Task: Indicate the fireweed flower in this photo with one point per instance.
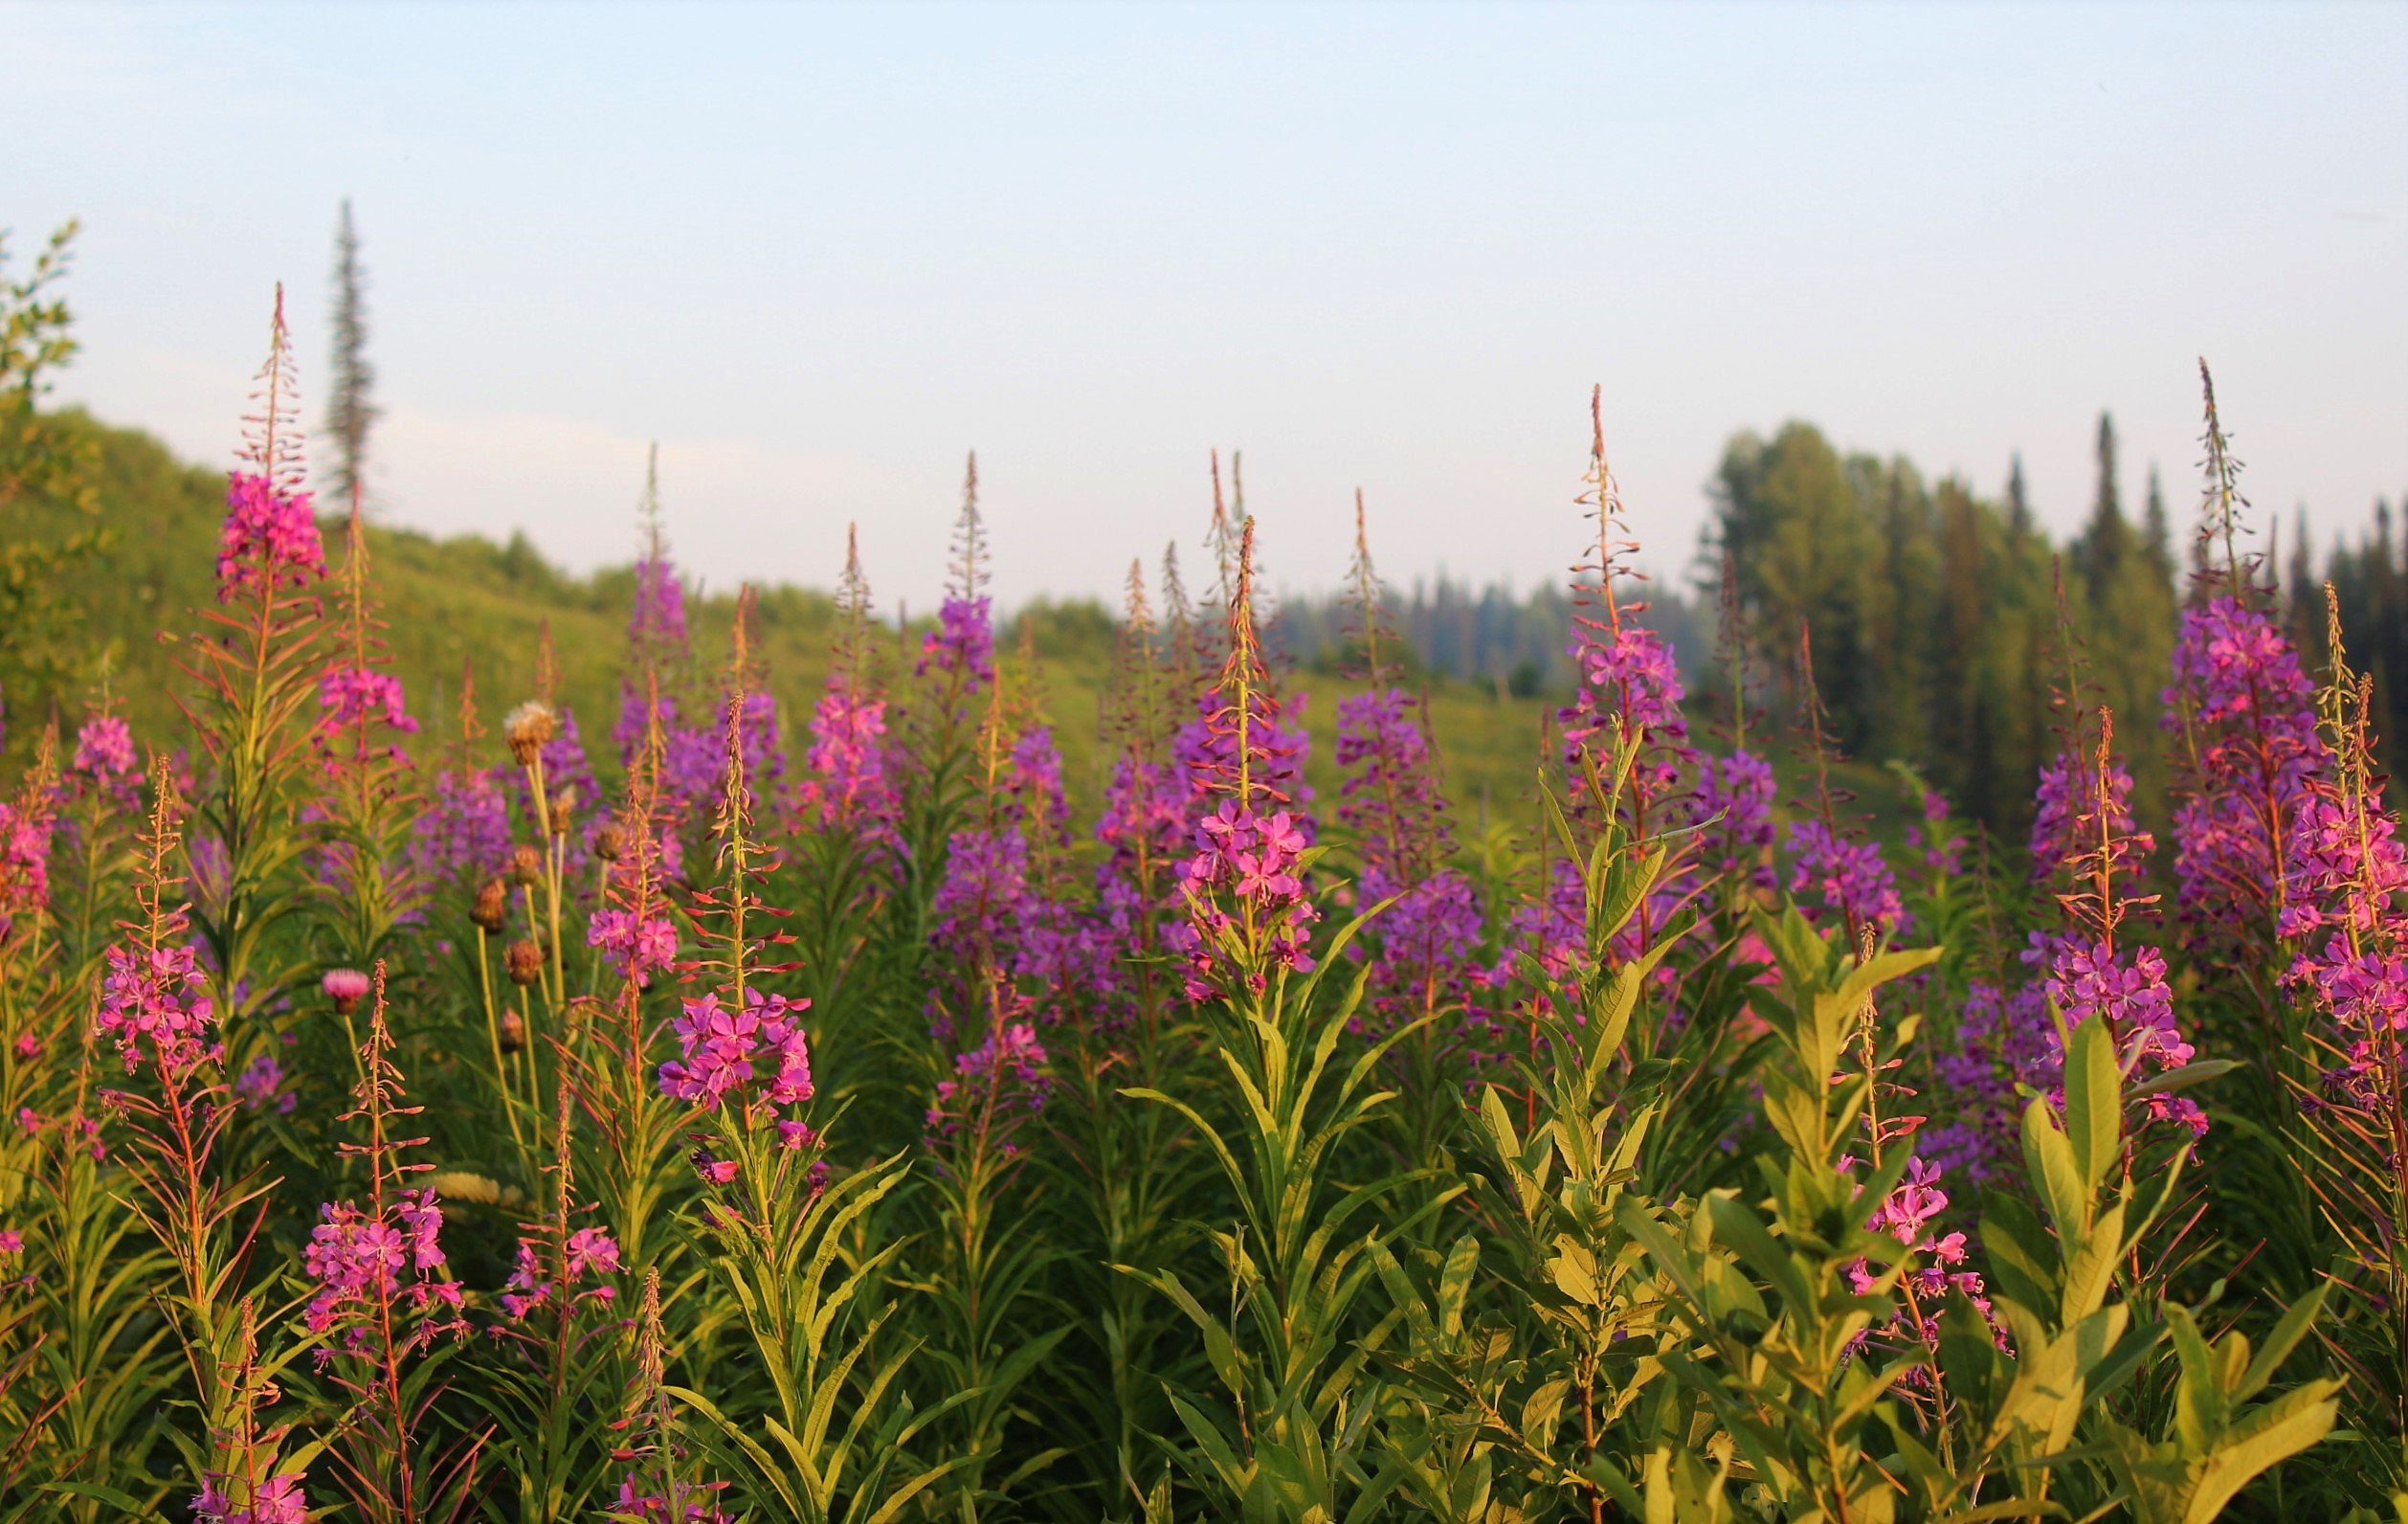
(464, 831)
(357, 695)
(688, 1503)
(1734, 797)
(1847, 880)
(722, 1050)
(25, 834)
(635, 947)
(2243, 706)
(155, 1007)
(270, 537)
(357, 1257)
(104, 747)
(591, 1254)
(2005, 1040)
(261, 1085)
(1004, 1077)
(278, 1500)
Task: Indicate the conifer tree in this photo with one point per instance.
(351, 410)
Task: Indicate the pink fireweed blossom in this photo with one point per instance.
(357, 695)
(635, 947)
(278, 1500)
(1251, 859)
(1906, 1214)
(155, 1008)
(25, 834)
(591, 1254)
(104, 747)
(1005, 1074)
(270, 538)
(357, 1258)
(688, 1503)
(2241, 700)
(719, 1048)
(847, 758)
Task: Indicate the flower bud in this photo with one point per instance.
(610, 842)
(527, 729)
(511, 1031)
(493, 905)
(524, 961)
(526, 866)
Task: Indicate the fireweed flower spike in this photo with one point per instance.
(1847, 876)
(1248, 914)
(848, 785)
(961, 650)
(2242, 710)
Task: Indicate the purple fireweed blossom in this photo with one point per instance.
(1941, 847)
(984, 895)
(465, 830)
(270, 537)
(2002, 1041)
(1734, 797)
(848, 786)
(1847, 880)
(962, 647)
(155, 1007)
(358, 1256)
(261, 1085)
(2243, 706)
(1032, 777)
(1005, 1074)
(635, 947)
(2125, 987)
(688, 1503)
(720, 1045)
(591, 1254)
(104, 747)
(2065, 824)
(1906, 1214)
(278, 1500)
(357, 695)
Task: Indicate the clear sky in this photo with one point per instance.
(818, 252)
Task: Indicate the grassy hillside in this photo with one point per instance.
(467, 604)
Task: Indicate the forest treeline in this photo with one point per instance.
(1943, 622)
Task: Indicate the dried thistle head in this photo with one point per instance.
(610, 842)
(527, 864)
(524, 961)
(527, 729)
(492, 906)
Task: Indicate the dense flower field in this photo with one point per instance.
(818, 1111)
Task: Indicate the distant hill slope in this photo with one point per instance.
(468, 602)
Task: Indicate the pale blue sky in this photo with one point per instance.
(819, 252)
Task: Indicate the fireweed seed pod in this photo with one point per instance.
(345, 988)
(526, 866)
(527, 729)
(610, 842)
(511, 1031)
(492, 906)
(525, 962)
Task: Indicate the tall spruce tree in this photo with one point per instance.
(351, 409)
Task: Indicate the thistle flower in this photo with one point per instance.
(491, 909)
(345, 988)
(523, 960)
(529, 730)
